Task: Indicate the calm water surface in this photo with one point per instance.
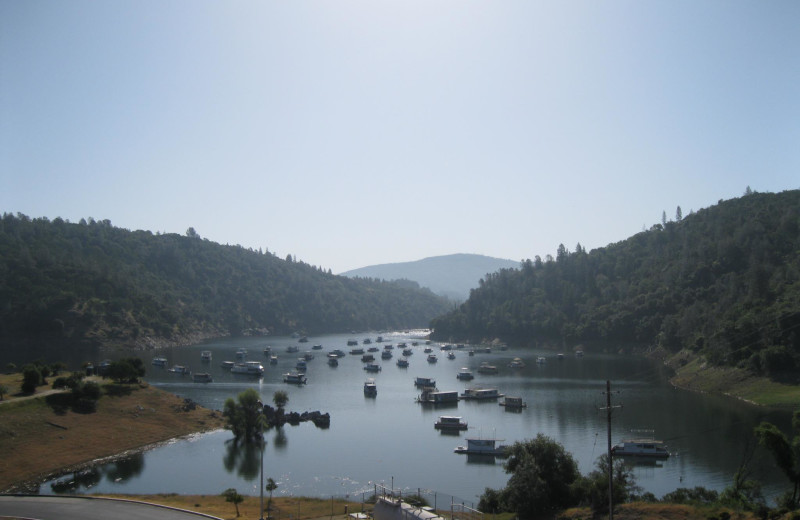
(390, 439)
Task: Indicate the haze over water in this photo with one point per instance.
(391, 438)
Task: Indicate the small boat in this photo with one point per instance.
(486, 368)
(471, 352)
(450, 423)
(513, 402)
(337, 352)
(386, 354)
(516, 363)
(370, 388)
(294, 378)
(202, 377)
(304, 339)
(248, 368)
(379, 339)
(267, 351)
(317, 347)
(407, 351)
(178, 369)
(541, 360)
(308, 356)
(372, 367)
(484, 447)
(351, 342)
(424, 381)
(241, 353)
(479, 394)
(446, 347)
(273, 359)
(356, 351)
(465, 375)
(401, 346)
(451, 355)
(373, 349)
(432, 358)
(560, 356)
(428, 350)
(366, 358)
(402, 363)
(159, 361)
(333, 361)
(227, 365)
(388, 347)
(291, 349)
(487, 350)
(301, 365)
(205, 356)
(367, 341)
(578, 353)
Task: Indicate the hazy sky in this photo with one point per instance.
(352, 133)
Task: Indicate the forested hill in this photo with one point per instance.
(724, 282)
(93, 281)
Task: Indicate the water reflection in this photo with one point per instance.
(280, 441)
(126, 468)
(243, 458)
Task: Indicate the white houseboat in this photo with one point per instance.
(248, 368)
(479, 394)
(484, 447)
(450, 423)
(294, 378)
(370, 388)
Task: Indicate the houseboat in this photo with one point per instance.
(351, 342)
(294, 378)
(370, 388)
(248, 368)
(372, 367)
(333, 361)
(337, 352)
(479, 394)
(407, 351)
(432, 358)
(367, 358)
(432, 396)
(301, 365)
(402, 362)
(227, 365)
(484, 447)
(291, 349)
(450, 423)
(513, 402)
(159, 361)
(317, 347)
(386, 354)
(465, 374)
(205, 356)
(179, 369)
(424, 381)
(201, 377)
(273, 359)
(641, 448)
(356, 351)
(241, 353)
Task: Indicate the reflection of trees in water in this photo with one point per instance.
(280, 440)
(126, 468)
(242, 457)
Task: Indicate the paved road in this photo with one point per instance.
(48, 507)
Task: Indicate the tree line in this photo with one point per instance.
(723, 282)
(91, 281)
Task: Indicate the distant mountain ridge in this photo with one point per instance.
(452, 276)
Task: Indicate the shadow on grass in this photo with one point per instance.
(118, 390)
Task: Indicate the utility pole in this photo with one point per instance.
(608, 409)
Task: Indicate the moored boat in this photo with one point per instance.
(370, 388)
(425, 381)
(248, 368)
(386, 354)
(402, 363)
(178, 369)
(159, 361)
(372, 367)
(205, 355)
(333, 361)
(641, 447)
(432, 358)
(450, 423)
(484, 447)
(516, 363)
(465, 374)
(433, 396)
(294, 378)
(513, 402)
(478, 394)
(486, 368)
(202, 377)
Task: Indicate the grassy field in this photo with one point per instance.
(41, 436)
(694, 374)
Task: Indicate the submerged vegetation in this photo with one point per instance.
(722, 283)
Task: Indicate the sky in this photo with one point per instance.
(352, 133)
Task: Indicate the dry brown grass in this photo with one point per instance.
(286, 508)
(657, 511)
(42, 436)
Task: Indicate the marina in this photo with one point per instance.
(561, 400)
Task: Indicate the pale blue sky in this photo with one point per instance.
(352, 133)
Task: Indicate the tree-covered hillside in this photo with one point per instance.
(93, 281)
(724, 282)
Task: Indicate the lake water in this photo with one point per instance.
(391, 440)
